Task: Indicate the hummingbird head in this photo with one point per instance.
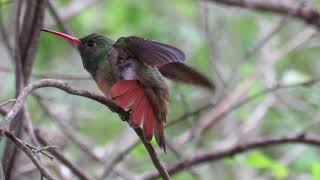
(92, 48)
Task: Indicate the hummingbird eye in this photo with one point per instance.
(90, 43)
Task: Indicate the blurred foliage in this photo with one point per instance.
(181, 23)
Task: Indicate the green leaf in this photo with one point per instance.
(258, 160)
(279, 170)
(315, 169)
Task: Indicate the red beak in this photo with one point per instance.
(64, 36)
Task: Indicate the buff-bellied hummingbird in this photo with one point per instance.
(131, 72)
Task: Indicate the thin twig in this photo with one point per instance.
(76, 170)
(39, 150)
(22, 145)
(7, 102)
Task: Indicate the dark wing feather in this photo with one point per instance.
(150, 52)
(183, 73)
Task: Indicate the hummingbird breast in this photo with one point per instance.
(124, 66)
(128, 69)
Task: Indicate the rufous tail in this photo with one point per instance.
(131, 95)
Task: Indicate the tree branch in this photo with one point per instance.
(101, 99)
(63, 86)
(237, 149)
(305, 13)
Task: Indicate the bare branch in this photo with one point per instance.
(237, 149)
(305, 13)
(63, 86)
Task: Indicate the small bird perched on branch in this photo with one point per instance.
(131, 72)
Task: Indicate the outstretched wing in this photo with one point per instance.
(168, 59)
(150, 52)
(183, 73)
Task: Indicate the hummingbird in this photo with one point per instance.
(131, 72)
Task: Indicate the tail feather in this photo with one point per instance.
(123, 87)
(126, 100)
(129, 94)
(138, 114)
(148, 124)
(159, 134)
